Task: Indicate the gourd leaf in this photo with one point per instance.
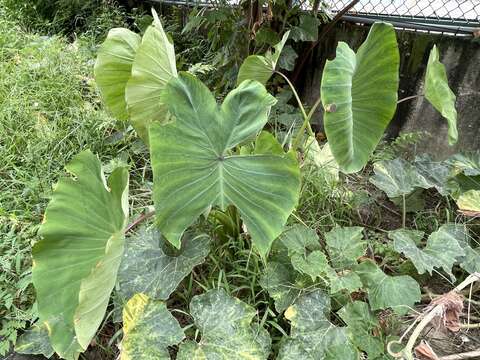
(345, 246)
(435, 173)
(361, 324)
(441, 251)
(113, 68)
(147, 267)
(306, 256)
(438, 93)
(468, 163)
(298, 238)
(303, 248)
(344, 280)
(194, 167)
(148, 329)
(153, 67)
(35, 341)
(312, 335)
(75, 264)
(227, 330)
(471, 261)
(397, 292)
(469, 201)
(282, 284)
(397, 177)
(359, 93)
(261, 68)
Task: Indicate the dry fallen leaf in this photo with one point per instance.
(452, 307)
(424, 352)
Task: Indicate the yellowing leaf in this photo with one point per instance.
(227, 330)
(148, 329)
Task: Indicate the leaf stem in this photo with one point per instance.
(404, 211)
(139, 220)
(306, 118)
(409, 98)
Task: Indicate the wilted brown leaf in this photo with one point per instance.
(425, 352)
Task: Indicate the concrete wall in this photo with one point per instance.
(461, 57)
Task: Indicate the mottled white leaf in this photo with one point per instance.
(226, 328)
(148, 329)
(150, 266)
(312, 335)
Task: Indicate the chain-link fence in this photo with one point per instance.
(454, 17)
(449, 16)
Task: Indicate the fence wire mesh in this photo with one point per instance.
(454, 16)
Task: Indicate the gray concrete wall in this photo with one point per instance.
(461, 57)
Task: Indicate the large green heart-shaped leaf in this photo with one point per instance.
(147, 268)
(153, 67)
(227, 330)
(261, 68)
(194, 167)
(439, 94)
(312, 336)
(397, 292)
(148, 329)
(359, 93)
(441, 251)
(114, 67)
(75, 264)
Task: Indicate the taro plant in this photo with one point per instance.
(216, 158)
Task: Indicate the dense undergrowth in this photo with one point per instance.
(50, 110)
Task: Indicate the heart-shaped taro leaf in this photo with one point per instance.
(261, 68)
(114, 67)
(148, 267)
(359, 93)
(312, 335)
(194, 167)
(439, 94)
(75, 264)
(227, 330)
(148, 329)
(153, 67)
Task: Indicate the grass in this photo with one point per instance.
(49, 111)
